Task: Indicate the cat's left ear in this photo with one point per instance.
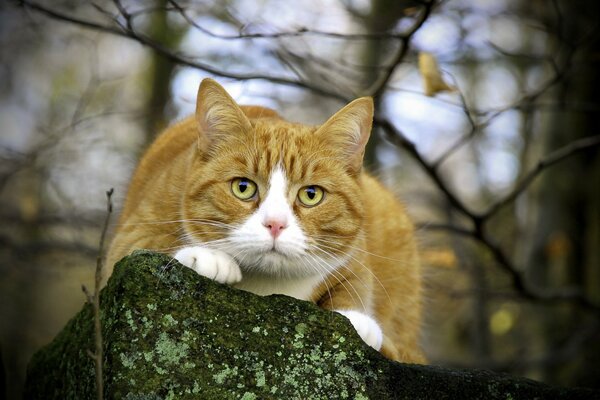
(349, 129)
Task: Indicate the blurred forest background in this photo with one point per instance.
(501, 173)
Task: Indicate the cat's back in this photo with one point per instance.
(393, 258)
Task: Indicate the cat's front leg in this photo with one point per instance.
(367, 328)
(213, 264)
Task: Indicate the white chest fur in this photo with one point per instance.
(300, 288)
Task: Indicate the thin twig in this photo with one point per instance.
(524, 288)
(381, 83)
(524, 101)
(458, 230)
(395, 136)
(478, 233)
(94, 299)
(546, 162)
(295, 33)
(129, 33)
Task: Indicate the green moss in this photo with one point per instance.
(260, 378)
(169, 351)
(171, 334)
(168, 320)
(128, 361)
(224, 374)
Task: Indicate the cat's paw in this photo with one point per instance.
(213, 264)
(367, 327)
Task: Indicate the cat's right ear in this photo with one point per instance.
(348, 131)
(218, 115)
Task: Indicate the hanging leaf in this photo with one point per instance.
(433, 81)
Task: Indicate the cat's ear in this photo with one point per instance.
(218, 115)
(348, 131)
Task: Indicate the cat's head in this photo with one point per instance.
(281, 198)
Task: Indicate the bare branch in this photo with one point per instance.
(526, 100)
(94, 298)
(446, 228)
(394, 136)
(523, 288)
(176, 57)
(89, 297)
(295, 33)
(380, 85)
(475, 128)
(546, 162)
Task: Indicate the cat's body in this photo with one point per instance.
(249, 199)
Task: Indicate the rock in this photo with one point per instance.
(172, 334)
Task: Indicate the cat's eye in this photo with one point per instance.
(243, 188)
(310, 196)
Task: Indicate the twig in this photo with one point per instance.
(526, 100)
(129, 33)
(94, 299)
(475, 127)
(458, 230)
(583, 335)
(295, 33)
(549, 160)
(394, 136)
(381, 83)
(525, 289)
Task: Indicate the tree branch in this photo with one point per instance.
(546, 162)
(176, 57)
(94, 299)
(380, 85)
(296, 33)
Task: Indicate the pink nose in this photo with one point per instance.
(275, 226)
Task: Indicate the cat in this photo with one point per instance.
(248, 199)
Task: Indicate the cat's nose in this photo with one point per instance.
(275, 226)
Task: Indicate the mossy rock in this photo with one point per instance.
(172, 334)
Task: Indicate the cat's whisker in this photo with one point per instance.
(179, 221)
(402, 262)
(328, 236)
(362, 265)
(324, 276)
(340, 278)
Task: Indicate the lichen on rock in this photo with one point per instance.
(172, 334)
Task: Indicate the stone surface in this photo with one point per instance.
(172, 334)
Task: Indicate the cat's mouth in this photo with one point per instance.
(277, 250)
(274, 250)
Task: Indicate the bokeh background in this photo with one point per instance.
(501, 172)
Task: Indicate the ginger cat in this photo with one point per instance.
(246, 198)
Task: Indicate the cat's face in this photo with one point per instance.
(281, 198)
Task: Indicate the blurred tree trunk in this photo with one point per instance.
(160, 72)
(384, 16)
(565, 248)
(28, 192)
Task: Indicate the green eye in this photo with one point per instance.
(310, 196)
(243, 189)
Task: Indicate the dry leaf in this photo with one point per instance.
(440, 257)
(433, 81)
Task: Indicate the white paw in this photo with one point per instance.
(367, 327)
(213, 264)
